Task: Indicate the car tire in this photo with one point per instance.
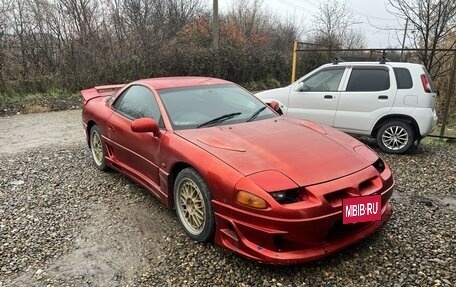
(192, 201)
(395, 137)
(97, 148)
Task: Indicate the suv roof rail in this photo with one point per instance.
(383, 58)
(337, 61)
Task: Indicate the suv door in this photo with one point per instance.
(315, 97)
(369, 94)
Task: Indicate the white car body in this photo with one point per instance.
(356, 98)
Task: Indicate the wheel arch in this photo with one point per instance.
(174, 171)
(396, 117)
(90, 124)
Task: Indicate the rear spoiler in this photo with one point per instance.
(100, 91)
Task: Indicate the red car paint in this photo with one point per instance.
(262, 156)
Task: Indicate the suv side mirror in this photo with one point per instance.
(145, 125)
(302, 88)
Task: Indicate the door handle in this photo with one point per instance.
(383, 97)
(328, 97)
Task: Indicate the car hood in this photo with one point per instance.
(301, 150)
(277, 93)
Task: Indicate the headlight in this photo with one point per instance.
(379, 165)
(286, 196)
(251, 200)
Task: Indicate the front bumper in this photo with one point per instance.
(237, 237)
(297, 236)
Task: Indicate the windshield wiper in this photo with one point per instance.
(219, 119)
(255, 114)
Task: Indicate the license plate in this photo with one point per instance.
(361, 209)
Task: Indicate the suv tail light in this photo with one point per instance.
(426, 84)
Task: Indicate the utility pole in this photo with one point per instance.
(403, 40)
(215, 25)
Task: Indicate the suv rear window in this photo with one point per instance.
(403, 78)
(368, 79)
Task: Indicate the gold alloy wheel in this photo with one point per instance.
(97, 148)
(191, 208)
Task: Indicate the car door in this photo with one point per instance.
(315, 97)
(136, 153)
(369, 94)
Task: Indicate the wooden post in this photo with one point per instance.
(293, 65)
(449, 94)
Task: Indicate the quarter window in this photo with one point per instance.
(403, 78)
(364, 79)
(138, 102)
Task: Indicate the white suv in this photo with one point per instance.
(393, 102)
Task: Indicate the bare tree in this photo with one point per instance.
(249, 16)
(333, 26)
(83, 15)
(180, 12)
(72, 44)
(433, 22)
(281, 33)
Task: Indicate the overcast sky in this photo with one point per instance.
(368, 15)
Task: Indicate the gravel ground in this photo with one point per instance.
(64, 223)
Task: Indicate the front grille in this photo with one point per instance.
(367, 187)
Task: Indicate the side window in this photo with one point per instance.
(403, 78)
(324, 80)
(368, 79)
(138, 102)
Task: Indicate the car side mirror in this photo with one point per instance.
(145, 125)
(276, 107)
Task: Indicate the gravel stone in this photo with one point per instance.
(64, 223)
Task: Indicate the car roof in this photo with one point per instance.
(179, 82)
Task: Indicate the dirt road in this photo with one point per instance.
(24, 132)
(100, 226)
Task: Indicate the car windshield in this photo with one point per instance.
(206, 106)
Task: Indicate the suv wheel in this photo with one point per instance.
(395, 137)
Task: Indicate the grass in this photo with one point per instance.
(450, 129)
(53, 100)
(20, 98)
(438, 142)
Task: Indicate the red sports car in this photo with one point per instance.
(267, 187)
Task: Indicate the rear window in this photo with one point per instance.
(403, 78)
(368, 79)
